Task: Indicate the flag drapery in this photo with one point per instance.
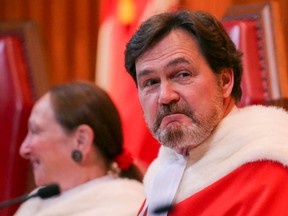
(118, 21)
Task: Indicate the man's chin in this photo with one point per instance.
(177, 149)
(184, 150)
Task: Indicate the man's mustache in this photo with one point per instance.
(169, 109)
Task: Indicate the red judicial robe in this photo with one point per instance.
(259, 188)
(242, 169)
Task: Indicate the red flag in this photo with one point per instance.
(119, 21)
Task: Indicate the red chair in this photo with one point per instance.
(16, 102)
(23, 79)
(255, 86)
(256, 31)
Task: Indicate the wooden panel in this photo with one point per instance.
(69, 30)
(81, 48)
(14, 9)
(59, 26)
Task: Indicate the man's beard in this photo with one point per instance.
(180, 136)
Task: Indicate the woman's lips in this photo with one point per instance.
(35, 163)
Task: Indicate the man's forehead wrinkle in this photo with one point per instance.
(176, 61)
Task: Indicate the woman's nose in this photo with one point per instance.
(24, 150)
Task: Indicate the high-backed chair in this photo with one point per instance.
(256, 31)
(20, 85)
(255, 87)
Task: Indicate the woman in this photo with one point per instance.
(75, 139)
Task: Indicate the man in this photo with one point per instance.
(215, 158)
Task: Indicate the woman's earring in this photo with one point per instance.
(76, 156)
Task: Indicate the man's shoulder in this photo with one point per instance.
(251, 187)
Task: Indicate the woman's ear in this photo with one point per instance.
(227, 81)
(84, 139)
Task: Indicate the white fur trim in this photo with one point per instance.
(250, 134)
(104, 196)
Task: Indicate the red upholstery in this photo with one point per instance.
(254, 81)
(15, 105)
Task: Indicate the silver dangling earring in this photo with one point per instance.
(76, 156)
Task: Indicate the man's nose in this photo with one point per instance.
(168, 93)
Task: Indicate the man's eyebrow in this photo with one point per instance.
(176, 61)
(173, 62)
(143, 73)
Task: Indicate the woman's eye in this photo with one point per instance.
(33, 130)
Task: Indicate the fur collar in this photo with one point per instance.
(101, 196)
(248, 134)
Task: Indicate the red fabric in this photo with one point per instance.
(258, 188)
(142, 206)
(255, 189)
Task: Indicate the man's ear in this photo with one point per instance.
(227, 81)
(84, 138)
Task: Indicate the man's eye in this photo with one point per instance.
(183, 74)
(150, 83)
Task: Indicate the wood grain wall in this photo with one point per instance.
(69, 31)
